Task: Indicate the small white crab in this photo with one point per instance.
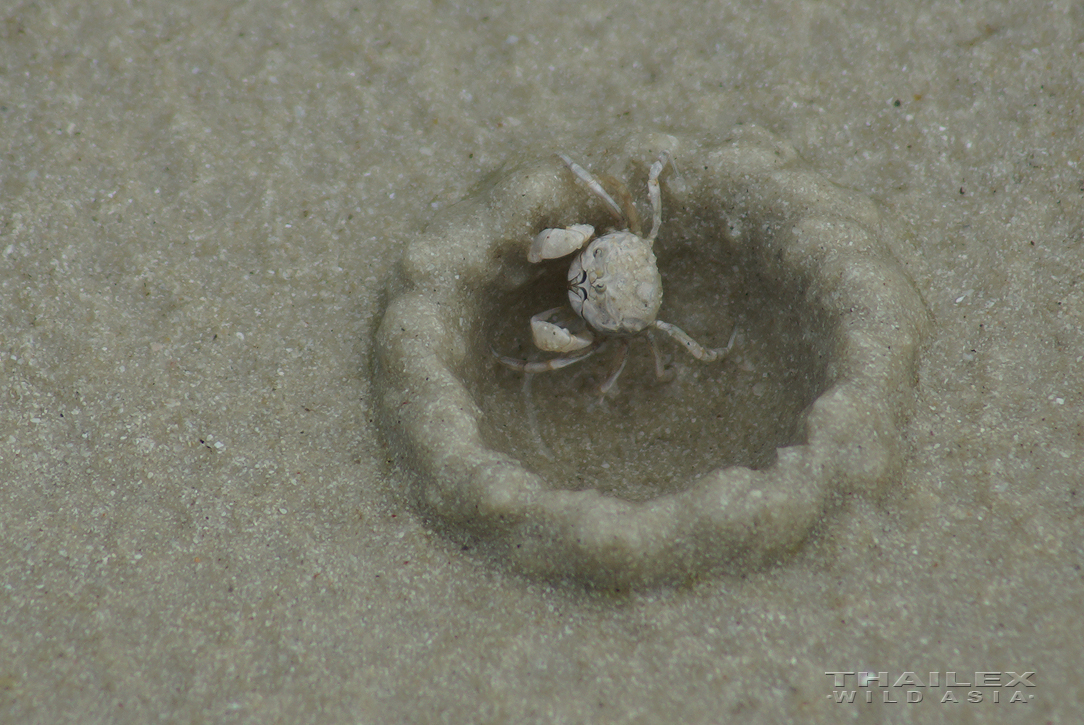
(614, 286)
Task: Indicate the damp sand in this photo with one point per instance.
(203, 211)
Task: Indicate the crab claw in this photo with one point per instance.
(554, 243)
(554, 338)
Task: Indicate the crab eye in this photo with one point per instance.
(599, 287)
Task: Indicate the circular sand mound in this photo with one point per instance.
(722, 466)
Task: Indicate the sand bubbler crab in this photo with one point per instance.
(614, 285)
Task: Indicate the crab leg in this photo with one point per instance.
(596, 188)
(544, 366)
(660, 368)
(656, 195)
(622, 358)
(695, 348)
(624, 198)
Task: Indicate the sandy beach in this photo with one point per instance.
(210, 510)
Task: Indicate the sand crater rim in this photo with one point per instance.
(752, 236)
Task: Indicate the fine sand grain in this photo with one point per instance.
(208, 512)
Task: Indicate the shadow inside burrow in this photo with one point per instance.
(652, 437)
